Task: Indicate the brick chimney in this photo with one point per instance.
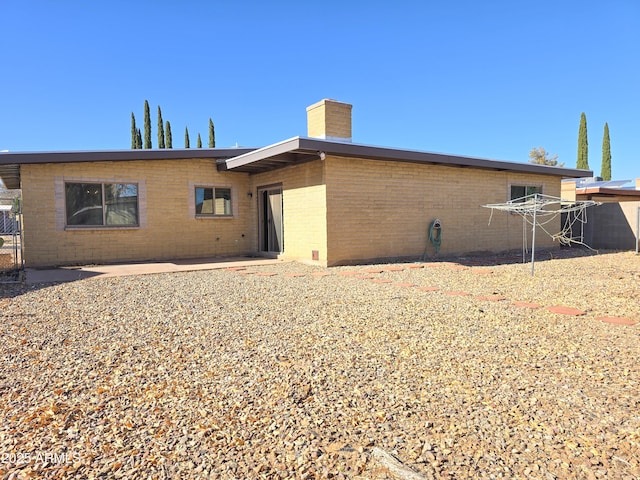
(637, 183)
(329, 120)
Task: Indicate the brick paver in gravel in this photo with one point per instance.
(491, 298)
(321, 273)
(458, 267)
(527, 304)
(617, 320)
(562, 310)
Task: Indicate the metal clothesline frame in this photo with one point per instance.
(539, 205)
(637, 230)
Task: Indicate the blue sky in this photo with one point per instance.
(485, 79)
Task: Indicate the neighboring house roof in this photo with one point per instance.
(605, 190)
(301, 149)
(601, 193)
(292, 151)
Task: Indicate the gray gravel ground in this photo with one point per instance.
(223, 374)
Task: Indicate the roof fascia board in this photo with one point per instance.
(286, 146)
(415, 156)
(21, 158)
(347, 149)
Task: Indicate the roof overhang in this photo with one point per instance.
(301, 149)
(10, 162)
(10, 176)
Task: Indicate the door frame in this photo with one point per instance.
(270, 240)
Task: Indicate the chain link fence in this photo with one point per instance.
(11, 257)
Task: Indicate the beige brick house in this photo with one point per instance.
(319, 198)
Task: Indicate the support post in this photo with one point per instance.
(533, 235)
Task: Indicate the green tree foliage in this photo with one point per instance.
(139, 139)
(134, 132)
(160, 129)
(167, 134)
(605, 169)
(212, 135)
(186, 138)
(540, 156)
(583, 144)
(199, 142)
(147, 126)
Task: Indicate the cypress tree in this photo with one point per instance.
(583, 144)
(605, 169)
(212, 135)
(139, 140)
(134, 132)
(147, 126)
(160, 129)
(199, 142)
(186, 138)
(167, 134)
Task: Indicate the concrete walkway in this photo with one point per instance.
(70, 274)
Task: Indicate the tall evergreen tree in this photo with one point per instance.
(605, 169)
(212, 135)
(134, 132)
(199, 142)
(583, 144)
(167, 134)
(186, 138)
(147, 126)
(160, 129)
(139, 139)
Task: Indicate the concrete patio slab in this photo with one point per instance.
(71, 274)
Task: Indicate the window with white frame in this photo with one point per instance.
(518, 192)
(91, 204)
(213, 201)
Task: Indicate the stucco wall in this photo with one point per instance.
(379, 209)
(612, 226)
(168, 227)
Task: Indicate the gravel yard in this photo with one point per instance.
(280, 372)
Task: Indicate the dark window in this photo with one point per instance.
(518, 192)
(102, 204)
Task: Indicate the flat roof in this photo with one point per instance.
(288, 152)
(10, 161)
(301, 149)
(611, 192)
(119, 155)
